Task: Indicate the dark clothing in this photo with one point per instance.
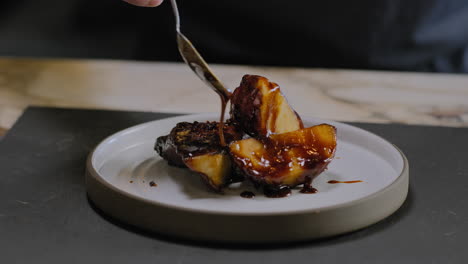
(409, 35)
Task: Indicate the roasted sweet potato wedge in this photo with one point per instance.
(197, 146)
(286, 159)
(215, 169)
(260, 109)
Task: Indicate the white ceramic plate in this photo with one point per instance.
(120, 169)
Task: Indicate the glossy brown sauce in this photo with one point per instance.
(245, 105)
(335, 182)
(278, 159)
(247, 194)
(307, 188)
(310, 190)
(279, 192)
(152, 184)
(131, 181)
(224, 101)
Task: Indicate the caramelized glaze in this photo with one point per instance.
(288, 158)
(245, 106)
(307, 188)
(194, 139)
(222, 141)
(254, 107)
(276, 192)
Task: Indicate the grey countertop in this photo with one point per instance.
(45, 216)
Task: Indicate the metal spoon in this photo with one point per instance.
(195, 60)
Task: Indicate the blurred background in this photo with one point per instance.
(416, 35)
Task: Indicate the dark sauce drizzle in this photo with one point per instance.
(335, 182)
(152, 184)
(222, 141)
(279, 192)
(307, 188)
(247, 194)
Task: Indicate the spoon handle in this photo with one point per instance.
(195, 61)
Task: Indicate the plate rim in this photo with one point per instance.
(96, 175)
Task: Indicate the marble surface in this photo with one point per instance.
(344, 95)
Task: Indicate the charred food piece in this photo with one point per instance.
(193, 139)
(286, 159)
(197, 146)
(260, 109)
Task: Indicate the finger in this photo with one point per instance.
(145, 3)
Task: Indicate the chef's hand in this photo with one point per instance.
(146, 3)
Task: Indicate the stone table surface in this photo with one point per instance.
(344, 95)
